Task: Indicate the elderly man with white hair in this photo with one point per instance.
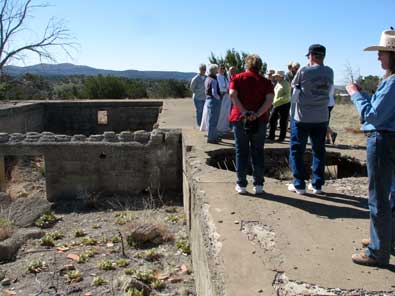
(199, 97)
(213, 102)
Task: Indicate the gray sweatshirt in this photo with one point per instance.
(197, 87)
(314, 83)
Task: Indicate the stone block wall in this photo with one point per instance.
(82, 117)
(22, 118)
(110, 163)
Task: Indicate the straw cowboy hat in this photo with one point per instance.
(279, 73)
(387, 42)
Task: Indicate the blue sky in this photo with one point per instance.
(178, 35)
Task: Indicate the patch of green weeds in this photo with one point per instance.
(172, 218)
(149, 255)
(89, 241)
(184, 246)
(37, 266)
(122, 262)
(74, 276)
(45, 221)
(116, 239)
(105, 265)
(98, 281)
(79, 233)
(158, 284)
(134, 292)
(47, 241)
(57, 235)
(96, 226)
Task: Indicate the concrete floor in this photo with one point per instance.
(309, 238)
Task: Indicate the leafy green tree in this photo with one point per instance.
(170, 88)
(104, 87)
(233, 58)
(136, 89)
(369, 83)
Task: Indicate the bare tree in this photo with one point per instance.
(351, 74)
(14, 17)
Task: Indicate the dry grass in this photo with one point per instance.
(345, 121)
(6, 229)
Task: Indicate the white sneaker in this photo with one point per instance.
(315, 191)
(291, 187)
(258, 189)
(240, 190)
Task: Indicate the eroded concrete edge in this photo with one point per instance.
(203, 234)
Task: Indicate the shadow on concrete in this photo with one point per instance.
(315, 207)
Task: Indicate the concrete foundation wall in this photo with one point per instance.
(82, 117)
(77, 168)
(20, 119)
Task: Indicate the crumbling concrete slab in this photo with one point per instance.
(309, 239)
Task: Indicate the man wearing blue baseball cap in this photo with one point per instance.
(309, 118)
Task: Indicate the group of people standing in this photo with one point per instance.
(253, 96)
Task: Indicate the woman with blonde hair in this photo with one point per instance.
(378, 115)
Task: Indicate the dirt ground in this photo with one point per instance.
(93, 243)
(345, 121)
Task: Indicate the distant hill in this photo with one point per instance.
(71, 69)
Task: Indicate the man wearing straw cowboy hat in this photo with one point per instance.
(378, 115)
(281, 105)
(309, 118)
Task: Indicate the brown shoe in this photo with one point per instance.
(364, 259)
(365, 242)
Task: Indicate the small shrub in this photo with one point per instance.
(122, 263)
(45, 221)
(6, 229)
(56, 235)
(47, 241)
(130, 271)
(89, 241)
(158, 284)
(184, 246)
(79, 233)
(89, 253)
(37, 266)
(115, 239)
(98, 281)
(105, 265)
(83, 258)
(149, 255)
(74, 276)
(134, 292)
(146, 276)
(172, 218)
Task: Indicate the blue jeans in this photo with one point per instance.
(300, 131)
(246, 145)
(213, 109)
(199, 104)
(380, 148)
